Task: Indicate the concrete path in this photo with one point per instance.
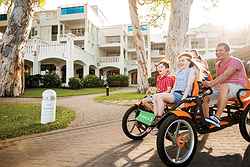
(96, 140)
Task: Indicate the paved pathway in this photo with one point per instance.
(96, 139)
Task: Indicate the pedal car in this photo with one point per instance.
(178, 127)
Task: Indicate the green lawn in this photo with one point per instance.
(24, 119)
(120, 96)
(37, 92)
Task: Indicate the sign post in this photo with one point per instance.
(48, 113)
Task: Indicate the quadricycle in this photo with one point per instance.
(178, 128)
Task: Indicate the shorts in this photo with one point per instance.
(177, 96)
(233, 89)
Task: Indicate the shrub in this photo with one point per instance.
(151, 81)
(91, 81)
(211, 67)
(33, 81)
(51, 80)
(118, 80)
(74, 83)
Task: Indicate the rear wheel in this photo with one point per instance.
(245, 124)
(176, 141)
(131, 127)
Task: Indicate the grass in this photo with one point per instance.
(37, 92)
(120, 97)
(24, 119)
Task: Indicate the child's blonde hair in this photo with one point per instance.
(193, 63)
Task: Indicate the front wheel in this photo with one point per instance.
(176, 141)
(131, 127)
(245, 124)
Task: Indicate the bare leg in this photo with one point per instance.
(147, 104)
(222, 99)
(205, 107)
(160, 101)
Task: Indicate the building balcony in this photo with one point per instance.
(157, 53)
(40, 50)
(78, 33)
(72, 13)
(110, 41)
(65, 36)
(110, 44)
(109, 59)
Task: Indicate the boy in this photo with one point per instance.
(164, 83)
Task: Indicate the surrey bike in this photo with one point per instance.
(177, 137)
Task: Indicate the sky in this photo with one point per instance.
(230, 13)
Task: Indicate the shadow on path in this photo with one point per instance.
(207, 160)
(133, 153)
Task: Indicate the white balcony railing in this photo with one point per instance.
(54, 49)
(111, 59)
(76, 32)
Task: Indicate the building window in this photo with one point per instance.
(77, 31)
(3, 17)
(48, 67)
(113, 39)
(33, 32)
(72, 10)
(54, 32)
(143, 28)
(79, 43)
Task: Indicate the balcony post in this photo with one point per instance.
(69, 70)
(85, 70)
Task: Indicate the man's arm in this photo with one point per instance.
(220, 79)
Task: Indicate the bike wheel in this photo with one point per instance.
(131, 127)
(244, 124)
(176, 141)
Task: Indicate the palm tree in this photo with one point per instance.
(12, 46)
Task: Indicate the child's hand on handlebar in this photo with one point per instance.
(148, 92)
(207, 84)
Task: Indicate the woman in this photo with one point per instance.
(203, 64)
(198, 58)
(185, 77)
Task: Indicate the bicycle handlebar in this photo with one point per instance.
(210, 91)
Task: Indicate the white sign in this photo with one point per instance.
(48, 113)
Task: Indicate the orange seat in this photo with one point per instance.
(246, 97)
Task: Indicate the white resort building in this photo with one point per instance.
(73, 42)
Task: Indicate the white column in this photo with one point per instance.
(36, 63)
(58, 31)
(69, 70)
(36, 66)
(97, 72)
(85, 70)
(58, 71)
(122, 60)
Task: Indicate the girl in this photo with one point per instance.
(185, 77)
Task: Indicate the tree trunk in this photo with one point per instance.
(178, 27)
(12, 46)
(140, 47)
